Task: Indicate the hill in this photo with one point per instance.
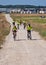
(21, 6)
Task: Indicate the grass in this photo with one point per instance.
(4, 28)
(41, 28)
(38, 23)
(39, 20)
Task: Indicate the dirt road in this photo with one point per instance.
(23, 51)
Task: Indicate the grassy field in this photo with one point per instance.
(4, 28)
(38, 23)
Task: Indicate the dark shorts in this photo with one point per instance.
(14, 31)
(13, 23)
(28, 31)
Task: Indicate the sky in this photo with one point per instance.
(23, 2)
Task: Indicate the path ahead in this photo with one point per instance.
(23, 51)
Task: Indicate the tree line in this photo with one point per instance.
(21, 6)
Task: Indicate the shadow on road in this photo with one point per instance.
(36, 39)
(26, 39)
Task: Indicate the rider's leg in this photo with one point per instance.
(14, 35)
(24, 26)
(13, 23)
(27, 34)
(18, 26)
(30, 34)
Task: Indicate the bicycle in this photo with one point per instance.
(14, 35)
(29, 35)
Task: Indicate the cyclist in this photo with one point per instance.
(18, 23)
(29, 28)
(24, 23)
(14, 32)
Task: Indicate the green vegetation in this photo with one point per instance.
(41, 28)
(27, 18)
(38, 20)
(4, 28)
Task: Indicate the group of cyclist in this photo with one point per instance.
(28, 26)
